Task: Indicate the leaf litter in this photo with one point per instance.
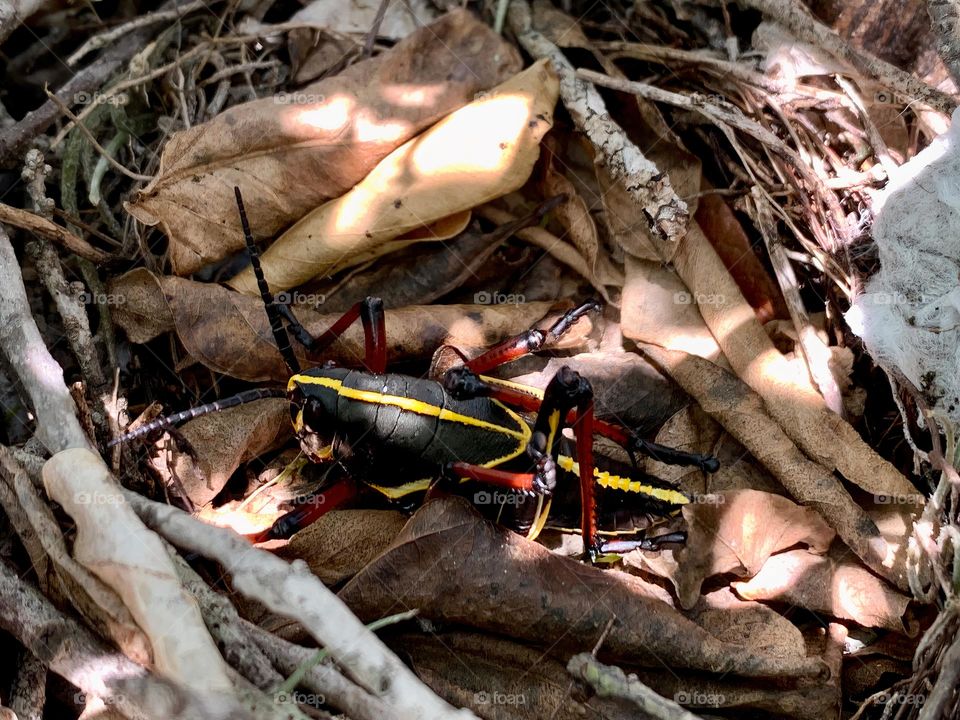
(448, 150)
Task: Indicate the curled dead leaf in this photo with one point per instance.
(834, 585)
(736, 532)
(475, 154)
(223, 441)
(341, 543)
(658, 308)
(499, 679)
(573, 215)
(605, 275)
(744, 415)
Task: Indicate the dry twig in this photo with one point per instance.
(611, 681)
(793, 15)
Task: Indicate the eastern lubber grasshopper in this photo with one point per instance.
(407, 434)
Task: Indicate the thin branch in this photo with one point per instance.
(611, 681)
(945, 15)
(26, 220)
(105, 38)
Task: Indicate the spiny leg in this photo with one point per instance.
(529, 341)
(314, 507)
(621, 547)
(568, 392)
(370, 313)
(521, 482)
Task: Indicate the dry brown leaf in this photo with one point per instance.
(358, 16)
(788, 395)
(223, 441)
(315, 52)
(708, 694)
(561, 29)
(456, 567)
(573, 215)
(752, 624)
(834, 585)
(343, 542)
(417, 275)
(479, 152)
(289, 154)
(229, 332)
(738, 531)
(732, 244)
(605, 275)
(803, 699)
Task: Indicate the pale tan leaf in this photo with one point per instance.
(480, 152)
(838, 586)
(736, 532)
(657, 308)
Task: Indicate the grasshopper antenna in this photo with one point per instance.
(280, 334)
(170, 420)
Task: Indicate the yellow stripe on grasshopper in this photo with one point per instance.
(616, 482)
(407, 488)
(522, 434)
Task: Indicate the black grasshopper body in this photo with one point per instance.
(399, 433)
